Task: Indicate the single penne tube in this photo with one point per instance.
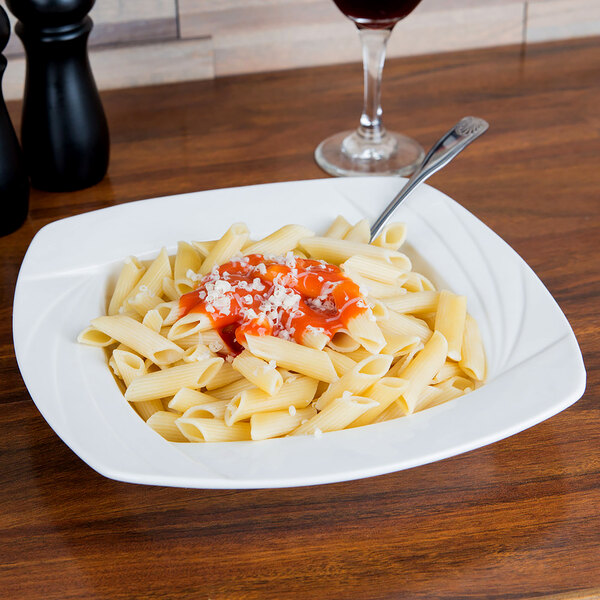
(414, 302)
(365, 330)
(153, 320)
(150, 283)
(337, 251)
(399, 260)
(392, 236)
(187, 342)
(226, 248)
(169, 291)
(199, 352)
(422, 369)
(169, 311)
(400, 324)
(357, 379)
(203, 248)
(142, 302)
(450, 321)
(163, 422)
(342, 341)
(472, 360)
(458, 382)
(374, 269)
(434, 396)
(93, 337)
(292, 356)
(416, 282)
(386, 391)
(187, 259)
(397, 345)
(227, 392)
(403, 361)
(393, 411)
(189, 324)
(359, 354)
(147, 408)
(380, 311)
(226, 375)
(209, 410)
(360, 232)
(340, 361)
(298, 393)
(338, 228)
(449, 369)
(269, 425)
(139, 338)
(338, 414)
(129, 365)
(313, 337)
(185, 398)
(262, 374)
(169, 381)
(373, 288)
(212, 338)
(279, 242)
(130, 274)
(212, 430)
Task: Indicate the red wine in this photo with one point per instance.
(376, 14)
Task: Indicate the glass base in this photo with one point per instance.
(348, 153)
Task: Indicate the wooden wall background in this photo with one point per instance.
(142, 42)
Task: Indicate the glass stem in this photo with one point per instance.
(374, 42)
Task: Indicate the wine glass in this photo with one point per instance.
(371, 149)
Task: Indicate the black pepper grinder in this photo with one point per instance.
(14, 184)
(64, 131)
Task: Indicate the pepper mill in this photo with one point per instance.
(64, 130)
(14, 184)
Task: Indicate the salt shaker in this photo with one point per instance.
(64, 130)
(14, 184)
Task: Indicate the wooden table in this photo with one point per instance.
(517, 519)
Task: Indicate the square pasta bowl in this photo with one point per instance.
(535, 368)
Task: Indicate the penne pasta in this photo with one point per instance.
(141, 339)
(277, 423)
(226, 248)
(338, 229)
(422, 369)
(168, 382)
(357, 379)
(472, 360)
(239, 339)
(130, 274)
(163, 422)
(392, 236)
(262, 374)
(187, 262)
(360, 232)
(337, 251)
(338, 414)
(364, 329)
(308, 361)
(298, 393)
(212, 430)
(450, 321)
(281, 241)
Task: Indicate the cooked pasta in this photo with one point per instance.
(294, 334)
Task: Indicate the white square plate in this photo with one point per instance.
(535, 365)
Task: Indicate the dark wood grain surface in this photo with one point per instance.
(516, 519)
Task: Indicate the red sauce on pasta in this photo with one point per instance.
(281, 296)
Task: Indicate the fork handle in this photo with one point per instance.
(441, 153)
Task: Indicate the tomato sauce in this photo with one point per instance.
(284, 296)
